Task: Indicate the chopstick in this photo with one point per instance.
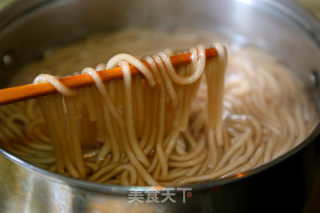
(24, 92)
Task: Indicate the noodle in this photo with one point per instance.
(168, 126)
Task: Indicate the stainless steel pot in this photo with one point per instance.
(281, 28)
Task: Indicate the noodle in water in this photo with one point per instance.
(167, 126)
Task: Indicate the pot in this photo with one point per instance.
(281, 28)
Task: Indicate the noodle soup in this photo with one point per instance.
(176, 133)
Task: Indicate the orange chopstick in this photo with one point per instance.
(24, 92)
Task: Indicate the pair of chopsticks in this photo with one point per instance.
(24, 92)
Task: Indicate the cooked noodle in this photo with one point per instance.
(168, 126)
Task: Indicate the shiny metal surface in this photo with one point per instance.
(281, 28)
